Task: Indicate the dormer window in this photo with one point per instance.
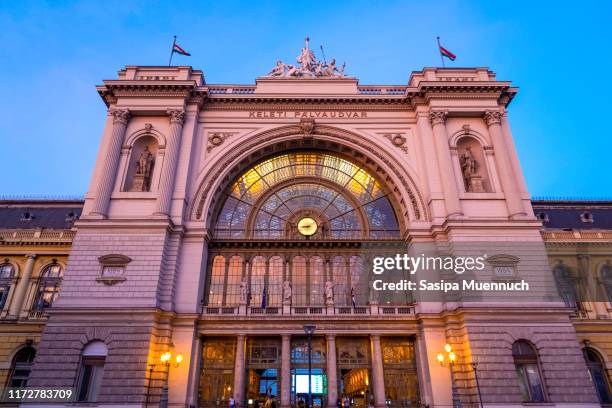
(586, 217)
(71, 216)
(542, 216)
(27, 216)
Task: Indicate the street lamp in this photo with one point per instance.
(475, 367)
(309, 330)
(451, 357)
(165, 359)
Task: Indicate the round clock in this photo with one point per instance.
(307, 226)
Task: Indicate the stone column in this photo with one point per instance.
(449, 184)
(108, 172)
(22, 287)
(239, 371)
(504, 166)
(286, 372)
(378, 379)
(173, 145)
(332, 377)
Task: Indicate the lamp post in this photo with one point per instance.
(165, 359)
(451, 357)
(309, 330)
(475, 367)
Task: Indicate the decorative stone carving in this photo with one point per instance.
(121, 116)
(492, 118)
(176, 116)
(148, 127)
(243, 292)
(113, 269)
(216, 139)
(437, 117)
(469, 166)
(398, 140)
(307, 126)
(287, 292)
(144, 171)
(308, 66)
(329, 293)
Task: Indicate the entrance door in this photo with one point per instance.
(400, 372)
(299, 373)
(354, 365)
(263, 365)
(217, 374)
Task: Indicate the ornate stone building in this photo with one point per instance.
(224, 221)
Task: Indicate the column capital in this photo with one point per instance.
(331, 336)
(375, 336)
(437, 117)
(120, 115)
(286, 336)
(241, 336)
(30, 256)
(492, 117)
(176, 116)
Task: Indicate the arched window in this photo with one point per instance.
(598, 375)
(275, 281)
(528, 371)
(359, 281)
(217, 280)
(48, 286)
(234, 280)
(606, 280)
(340, 281)
(91, 372)
(258, 280)
(21, 367)
(317, 281)
(299, 281)
(7, 272)
(565, 285)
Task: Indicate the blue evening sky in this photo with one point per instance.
(52, 53)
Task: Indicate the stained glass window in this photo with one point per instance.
(266, 199)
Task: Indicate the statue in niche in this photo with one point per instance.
(144, 167)
(287, 292)
(329, 293)
(469, 166)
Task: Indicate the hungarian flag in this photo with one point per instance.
(446, 53)
(177, 48)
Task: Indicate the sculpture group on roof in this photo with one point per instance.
(308, 66)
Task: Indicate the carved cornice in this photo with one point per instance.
(112, 90)
(176, 116)
(437, 117)
(120, 115)
(492, 118)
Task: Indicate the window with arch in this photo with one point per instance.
(91, 371)
(141, 164)
(345, 199)
(7, 274)
(606, 280)
(21, 366)
(528, 371)
(48, 286)
(597, 372)
(565, 285)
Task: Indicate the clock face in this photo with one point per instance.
(307, 226)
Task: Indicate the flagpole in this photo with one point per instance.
(439, 51)
(172, 52)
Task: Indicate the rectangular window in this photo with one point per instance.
(92, 370)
